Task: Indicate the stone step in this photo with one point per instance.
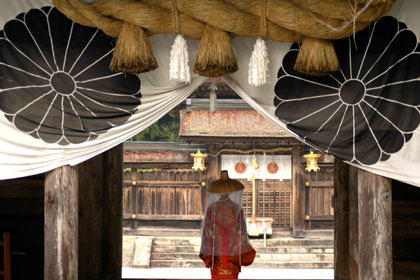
(294, 257)
(263, 250)
(257, 243)
(259, 257)
(256, 264)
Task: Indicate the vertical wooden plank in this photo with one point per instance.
(112, 214)
(375, 226)
(213, 169)
(298, 192)
(353, 224)
(134, 195)
(90, 217)
(7, 273)
(61, 224)
(341, 220)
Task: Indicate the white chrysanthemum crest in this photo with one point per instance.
(258, 72)
(178, 65)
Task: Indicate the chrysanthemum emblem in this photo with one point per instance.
(54, 79)
(366, 111)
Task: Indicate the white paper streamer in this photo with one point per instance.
(178, 65)
(258, 73)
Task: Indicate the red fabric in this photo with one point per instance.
(218, 276)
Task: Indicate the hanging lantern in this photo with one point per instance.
(312, 161)
(199, 161)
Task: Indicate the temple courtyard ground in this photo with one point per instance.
(247, 273)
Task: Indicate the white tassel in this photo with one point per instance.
(258, 72)
(178, 66)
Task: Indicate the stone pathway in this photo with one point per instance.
(247, 273)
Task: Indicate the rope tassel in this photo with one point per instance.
(178, 66)
(258, 72)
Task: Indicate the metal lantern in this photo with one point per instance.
(312, 161)
(199, 161)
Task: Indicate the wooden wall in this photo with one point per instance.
(273, 201)
(22, 213)
(98, 227)
(405, 231)
(156, 196)
(319, 191)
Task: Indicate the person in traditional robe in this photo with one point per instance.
(225, 246)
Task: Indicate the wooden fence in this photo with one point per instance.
(163, 194)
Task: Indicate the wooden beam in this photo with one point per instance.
(164, 183)
(90, 218)
(167, 217)
(375, 226)
(363, 224)
(298, 191)
(61, 224)
(341, 220)
(112, 215)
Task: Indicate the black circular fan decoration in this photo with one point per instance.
(366, 111)
(55, 83)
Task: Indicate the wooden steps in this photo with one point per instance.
(180, 251)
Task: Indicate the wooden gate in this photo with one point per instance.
(163, 194)
(319, 191)
(273, 201)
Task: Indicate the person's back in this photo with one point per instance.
(225, 245)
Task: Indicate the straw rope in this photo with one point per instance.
(280, 20)
(175, 15)
(287, 20)
(263, 26)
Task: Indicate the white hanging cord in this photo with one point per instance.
(178, 64)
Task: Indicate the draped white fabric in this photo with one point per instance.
(360, 128)
(22, 155)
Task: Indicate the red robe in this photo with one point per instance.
(230, 240)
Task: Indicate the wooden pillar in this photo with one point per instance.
(134, 195)
(363, 241)
(112, 215)
(61, 224)
(375, 226)
(213, 169)
(341, 220)
(298, 192)
(91, 207)
(83, 219)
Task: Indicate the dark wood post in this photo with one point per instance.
(134, 195)
(366, 251)
(341, 220)
(91, 207)
(298, 192)
(61, 224)
(112, 215)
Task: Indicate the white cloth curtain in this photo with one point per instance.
(278, 167)
(22, 154)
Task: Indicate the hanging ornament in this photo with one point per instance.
(178, 66)
(258, 72)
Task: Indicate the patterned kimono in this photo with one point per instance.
(225, 246)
